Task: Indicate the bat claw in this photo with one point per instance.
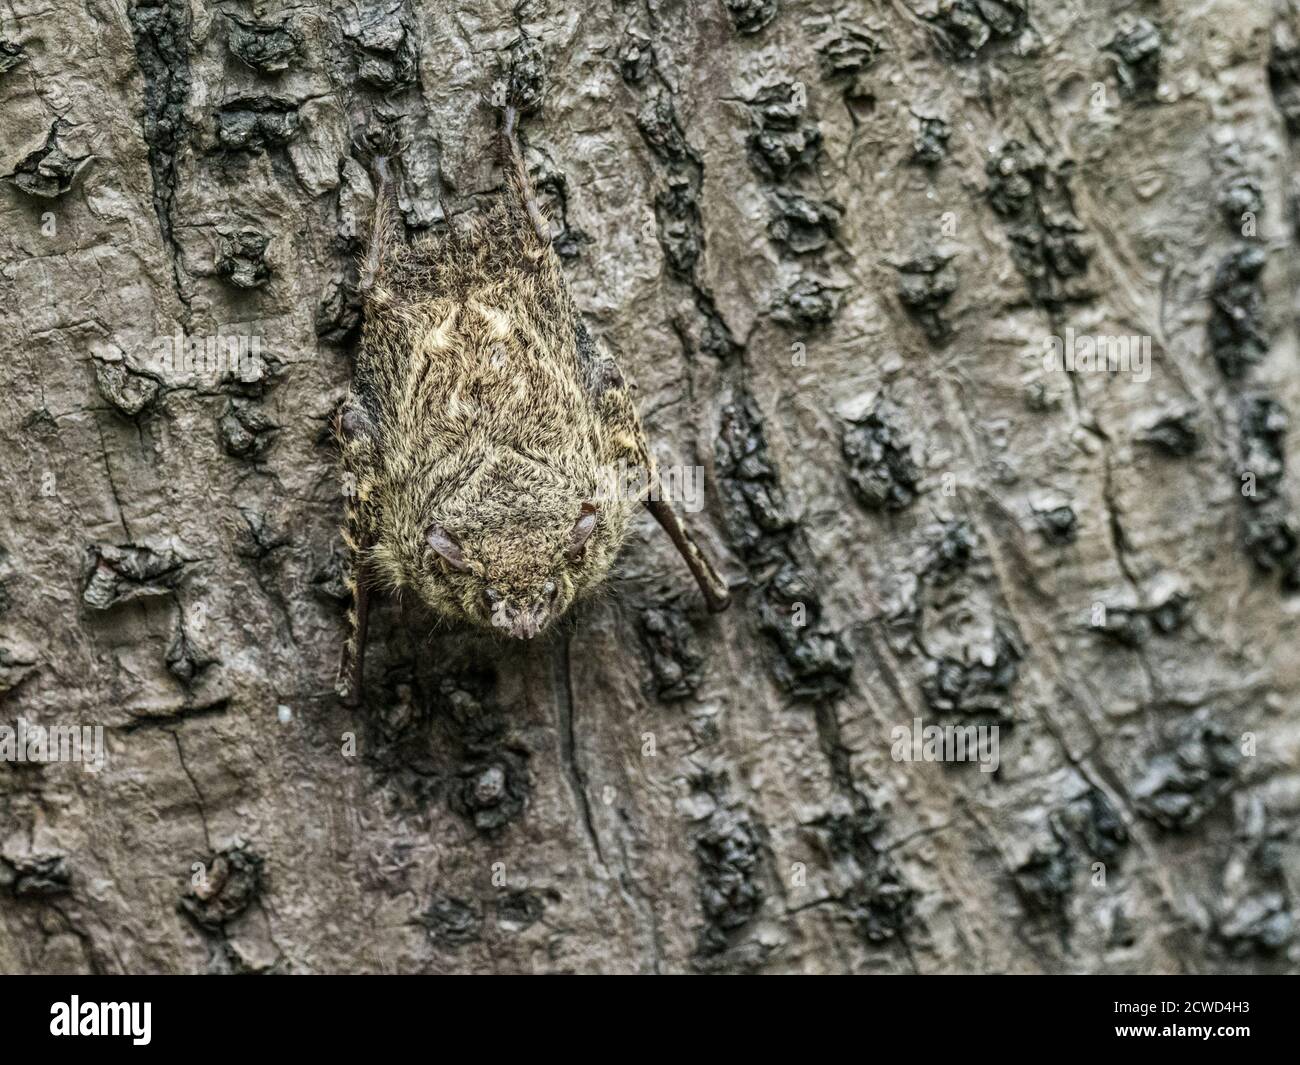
(717, 599)
(380, 140)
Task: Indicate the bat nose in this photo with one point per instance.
(522, 621)
(527, 621)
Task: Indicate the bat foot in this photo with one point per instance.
(379, 145)
(379, 142)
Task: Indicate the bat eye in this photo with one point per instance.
(445, 547)
(581, 532)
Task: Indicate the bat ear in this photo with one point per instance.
(445, 546)
(582, 530)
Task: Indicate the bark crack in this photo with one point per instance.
(198, 795)
(569, 752)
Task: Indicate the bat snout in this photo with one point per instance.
(520, 621)
(526, 626)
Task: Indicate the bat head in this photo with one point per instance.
(519, 575)
(513, 557)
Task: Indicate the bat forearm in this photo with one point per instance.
(716, 594)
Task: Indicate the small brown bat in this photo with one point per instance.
(482, 422)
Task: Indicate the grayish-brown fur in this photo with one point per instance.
(481, 407)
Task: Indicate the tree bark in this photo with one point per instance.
(833, 245)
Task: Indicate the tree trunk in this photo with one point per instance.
(856, 258)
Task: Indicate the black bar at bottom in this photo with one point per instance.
(337, 1014)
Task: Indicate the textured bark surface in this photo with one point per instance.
(829, 241)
